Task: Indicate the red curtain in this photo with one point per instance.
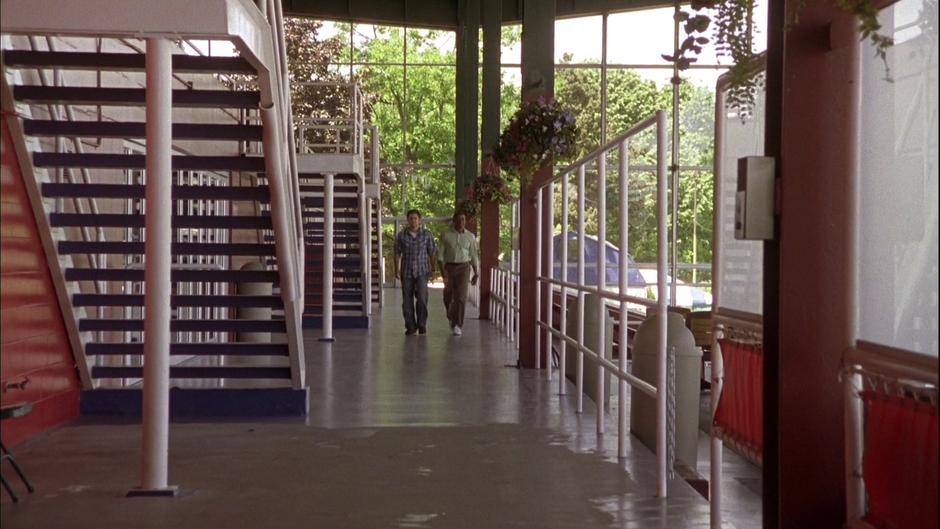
(740, 414)
(900, 464)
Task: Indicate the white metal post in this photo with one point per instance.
(563, 319)
(579, 367)
(854, 426)
(157, 257)
(377, 180)
(717, 374)
(548, 268)
(661, 252)
(624, 286)
(717, 380)
(601, 286)
(327, 302)
(365, 249)
(538, 283)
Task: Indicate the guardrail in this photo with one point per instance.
(506, 292)
(342, 133)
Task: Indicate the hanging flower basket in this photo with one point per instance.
(538, 131)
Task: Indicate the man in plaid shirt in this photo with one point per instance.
(414, 252)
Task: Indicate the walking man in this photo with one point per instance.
(458, 255)
(414, 255)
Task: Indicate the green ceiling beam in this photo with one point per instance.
(443, 13)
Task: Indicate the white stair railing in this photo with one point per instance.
(257, 34)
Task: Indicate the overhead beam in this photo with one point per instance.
(468, 62)
(443, 14)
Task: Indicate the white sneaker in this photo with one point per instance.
(457, 331)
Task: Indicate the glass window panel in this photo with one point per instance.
(579, 40)
(431, 112)
(709, 55)
(511, 48)
(378, 44)
(431, 46)
(511, 94)
(338, 32)
(897, 223)
(384, 89)
(578, 90)
(640, 37)
(634, 94)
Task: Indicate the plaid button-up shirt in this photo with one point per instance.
(415, 250)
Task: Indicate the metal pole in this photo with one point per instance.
(157, 255)
(717, 373)
(717, 380)
(661, 252)
(563, 320)
(624, 287)
(327, 302)
(547, 269)
(579, 368)
(674, 167)
(601, 286)
(538, 288)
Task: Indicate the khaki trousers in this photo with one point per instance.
(455, 291)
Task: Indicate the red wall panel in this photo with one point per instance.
(33, 343)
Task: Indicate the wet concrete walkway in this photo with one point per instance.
(404, 431)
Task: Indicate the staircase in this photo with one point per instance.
(334, 144)
(77, 120)
(350, 309)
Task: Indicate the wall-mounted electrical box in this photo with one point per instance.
(754, 201)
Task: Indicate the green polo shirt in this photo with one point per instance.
(459, 247)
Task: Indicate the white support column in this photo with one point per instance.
(563, 275)
(716, 446)
(601, 396)
(365, 249)
(377, 180)
(662, 309)
(327, 302)
(538, 284)
(624, 272)
(547, 270)
(854, 448)
(157, 257)
(579, 367)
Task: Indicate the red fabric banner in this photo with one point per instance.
(740, 414)
(900, 462)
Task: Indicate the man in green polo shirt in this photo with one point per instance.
(458, 255)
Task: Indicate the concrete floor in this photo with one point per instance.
(411, 432)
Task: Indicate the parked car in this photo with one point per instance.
(642, 282)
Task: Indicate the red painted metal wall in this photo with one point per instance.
(33, 343)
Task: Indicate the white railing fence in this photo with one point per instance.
(505, 284)
(339, 127)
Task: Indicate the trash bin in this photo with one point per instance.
(591, 338)
(688, 373)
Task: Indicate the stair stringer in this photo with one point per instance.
(32, 178)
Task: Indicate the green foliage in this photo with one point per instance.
(733, 36)
(416, 118)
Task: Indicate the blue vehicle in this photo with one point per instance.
(591, 247)
(638, 279)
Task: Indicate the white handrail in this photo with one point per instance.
(504, 302)
(257, 34)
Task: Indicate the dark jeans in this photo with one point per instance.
(414, 292)
(455, 291)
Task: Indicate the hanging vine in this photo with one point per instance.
(732, 30)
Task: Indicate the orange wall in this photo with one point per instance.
(33, 342)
